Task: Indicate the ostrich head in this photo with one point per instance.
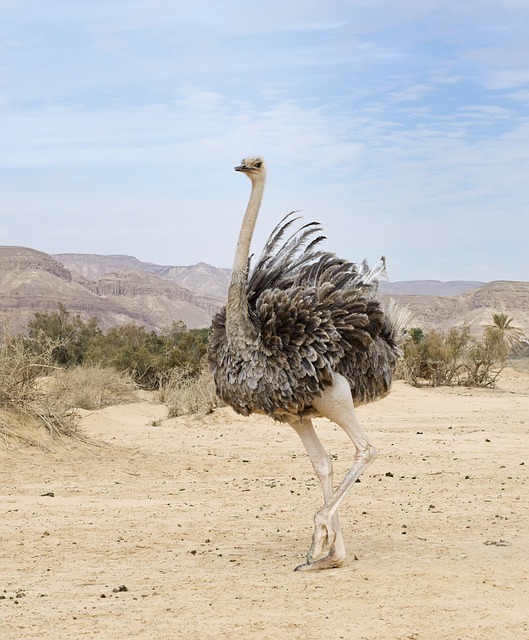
(253, 167)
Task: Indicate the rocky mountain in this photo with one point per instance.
(474, 307)
(33, 281)
(92, 265)
(201, 279)
(122, 289)
(17, 259)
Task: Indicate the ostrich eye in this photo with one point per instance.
(258, 165)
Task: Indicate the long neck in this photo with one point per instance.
(237, 313)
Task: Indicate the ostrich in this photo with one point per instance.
(303, 336)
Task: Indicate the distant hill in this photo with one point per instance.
(474, 307)
(201, 278)
(428, 287)
(33, 281)
(120, 289)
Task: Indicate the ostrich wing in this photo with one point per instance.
(306, 333)
(279, 267)
(298, 261)
(315, 314)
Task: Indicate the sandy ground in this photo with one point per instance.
(202, 521)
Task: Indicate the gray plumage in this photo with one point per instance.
(312, 313)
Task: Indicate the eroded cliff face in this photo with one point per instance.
(133, 283)
(18, 259)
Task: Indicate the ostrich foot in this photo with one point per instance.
(332, 561)
(327, 549)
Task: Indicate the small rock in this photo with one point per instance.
(119, 589)
(497, 543)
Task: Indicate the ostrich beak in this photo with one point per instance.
(242, 167)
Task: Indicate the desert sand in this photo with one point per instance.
(191, 527)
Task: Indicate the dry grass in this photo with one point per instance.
(185, 394)
(25, 408)
(40, 424)
(38, 401)
(91, 387)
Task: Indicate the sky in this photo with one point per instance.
(403, 127)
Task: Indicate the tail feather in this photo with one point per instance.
(396, 319)
(367, 276)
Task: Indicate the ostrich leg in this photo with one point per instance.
(322, 463)
(336, 404)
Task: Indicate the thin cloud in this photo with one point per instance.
(315, 26)
(405, 131)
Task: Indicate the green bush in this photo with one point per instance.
(128, 349)
(65, 362)
(67, 335)
(457, 358)
(184, 349)
(147, 356)
(433, 357)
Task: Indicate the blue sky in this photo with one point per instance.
(403, 127)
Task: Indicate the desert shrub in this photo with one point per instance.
(147, 356)
(22, 399)
(130, 349)
(435, 359)
(185, 392)
(416, 334)
(69, 335)
(487, 357)
(91, 387)
(184, 348)
(19, 368)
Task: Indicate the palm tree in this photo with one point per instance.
(504, 333)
